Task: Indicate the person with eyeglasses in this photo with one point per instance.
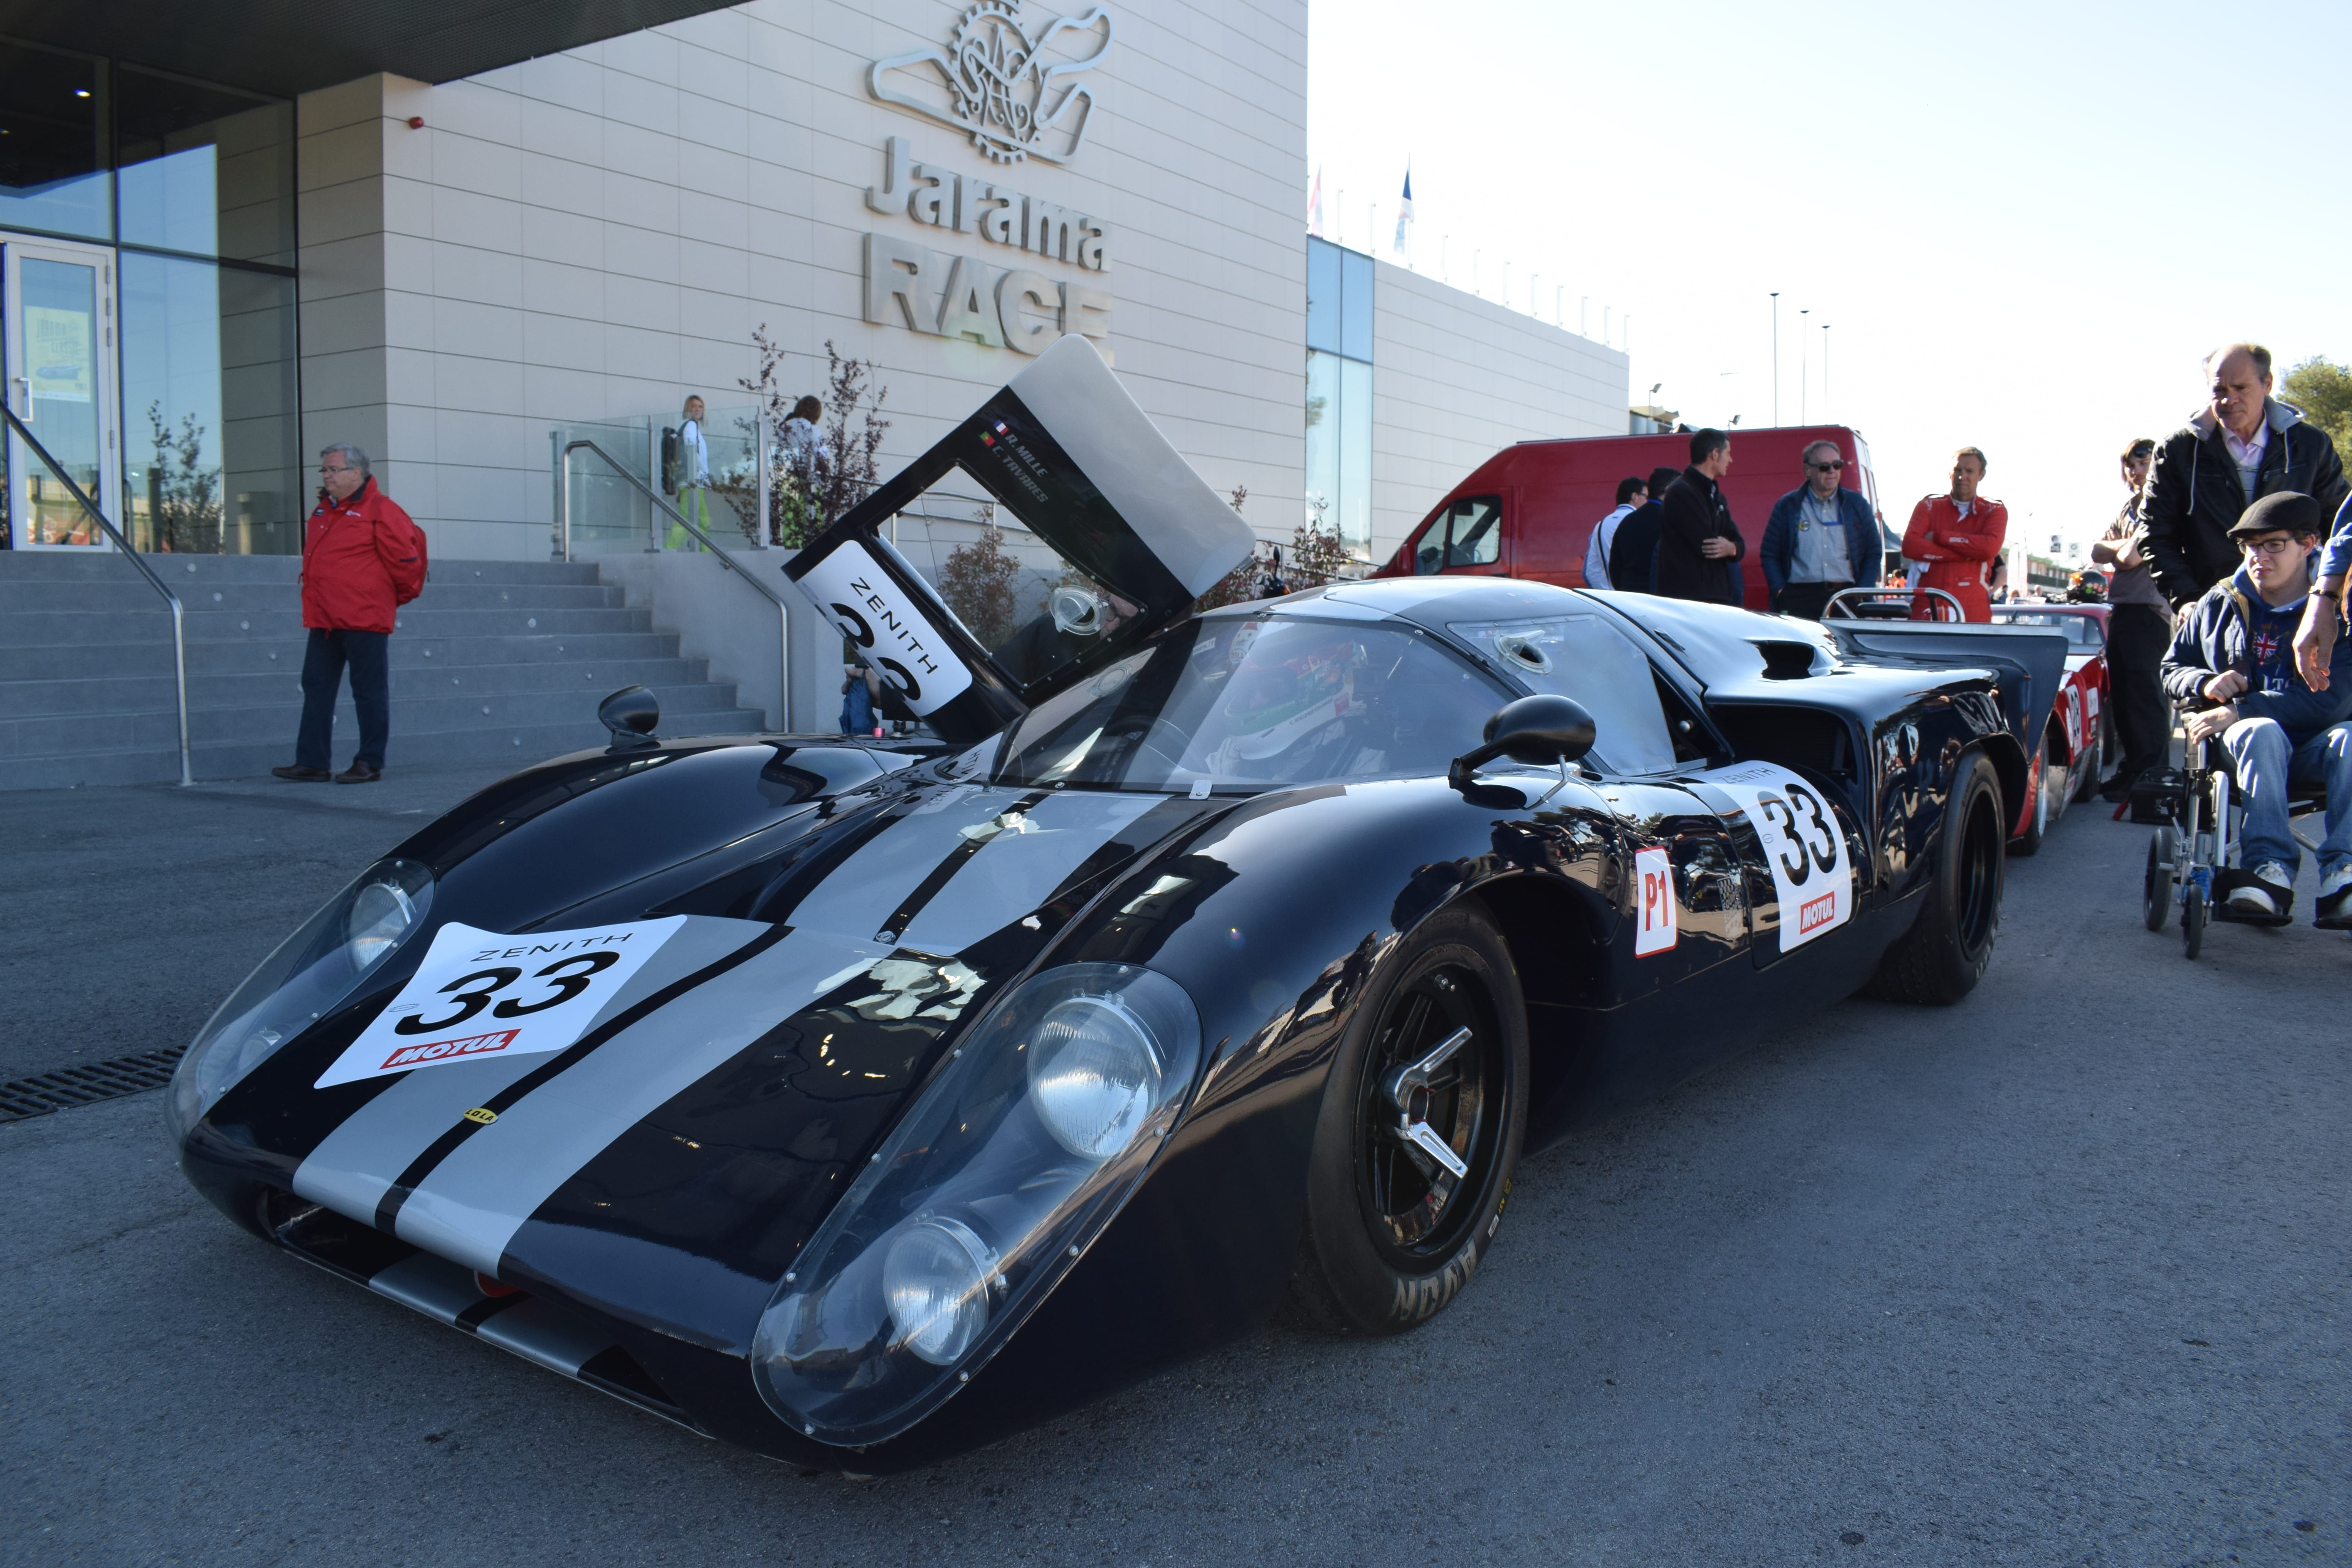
(1821, 537)
(2234, 656)
(362, 558)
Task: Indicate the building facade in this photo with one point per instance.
(444, 274)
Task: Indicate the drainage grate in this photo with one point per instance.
(69, 1086)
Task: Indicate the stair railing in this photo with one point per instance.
(783, 613)
(179, 614)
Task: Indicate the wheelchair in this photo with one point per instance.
(2190, 856)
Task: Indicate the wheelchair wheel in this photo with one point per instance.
(2192, 923)
(2163, 877)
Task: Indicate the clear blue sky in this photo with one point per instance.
(2023, 223)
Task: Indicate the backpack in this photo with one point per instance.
(671, 461)
(408, 576)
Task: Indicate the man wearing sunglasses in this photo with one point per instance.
(1821, 537)
(2235, 652)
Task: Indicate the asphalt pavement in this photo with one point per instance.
(2057, 1276)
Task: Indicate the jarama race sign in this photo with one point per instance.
(480, 995)
(1803, 844)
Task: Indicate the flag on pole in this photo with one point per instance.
(1314, 207)
(1404, 217)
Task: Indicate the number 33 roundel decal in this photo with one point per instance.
(480, 995)
(1802, 844)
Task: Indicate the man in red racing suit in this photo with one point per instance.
(1958, 536)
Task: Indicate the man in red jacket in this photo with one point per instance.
(361, 560)
(1958, 537)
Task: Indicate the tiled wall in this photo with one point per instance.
(596, 233)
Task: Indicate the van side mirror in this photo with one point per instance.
(1533, 729)
(631, 714)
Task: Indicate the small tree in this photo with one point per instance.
(1240, 586)
(976, 580)
(2323, 390)
(182, 490)
(801, 502)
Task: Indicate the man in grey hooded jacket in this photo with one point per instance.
(2242, 445)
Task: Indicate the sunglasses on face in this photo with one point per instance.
(1825, 468)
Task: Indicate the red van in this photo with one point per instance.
(1528, 510)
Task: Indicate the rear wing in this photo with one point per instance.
(1133, 532)
(2031, 660)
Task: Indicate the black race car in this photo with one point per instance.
(860, 1102)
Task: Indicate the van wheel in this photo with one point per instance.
(1941, 959)
(1437, 1059)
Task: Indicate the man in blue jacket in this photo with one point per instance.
(1821, 537)
(2235, 650)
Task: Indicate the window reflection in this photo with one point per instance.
(53, 142)
(205, 170)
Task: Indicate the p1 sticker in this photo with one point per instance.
(1802, 844)
(887, 626)
(479, 996)
(1654, 875)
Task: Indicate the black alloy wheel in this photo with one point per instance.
(1421, 1128)
(1941, 959)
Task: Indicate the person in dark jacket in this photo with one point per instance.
(1634, 550)
(362, 558)
(2139, 628)
(2242, 445)
(2235, 650)
(1821, 537)
(1698, 541)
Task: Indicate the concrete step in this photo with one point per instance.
(56, 628)
(522, 745)
(182, 572)
(131, 596)
(216, 658)
(28, 698)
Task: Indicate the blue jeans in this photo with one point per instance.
(369, 655)
(2267, 765)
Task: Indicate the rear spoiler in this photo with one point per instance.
(2029, 660)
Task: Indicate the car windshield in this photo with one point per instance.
(2081, 631)
(1241, 703)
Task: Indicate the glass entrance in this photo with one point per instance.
(57, 325)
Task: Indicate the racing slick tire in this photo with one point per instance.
(2037, 822)
(1941, 959)
(2163, 880)
(1393, 1234)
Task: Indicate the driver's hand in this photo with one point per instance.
(2207, 723)
(2315, 640)
(2224, 686)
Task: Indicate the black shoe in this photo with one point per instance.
(2116, 789)
(298, 773)
(359, 773)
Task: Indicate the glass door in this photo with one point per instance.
(57, 324)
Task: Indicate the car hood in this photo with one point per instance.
(666, 1167)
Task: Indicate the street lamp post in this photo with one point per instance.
(1776, 356)
(1826, 370)
(1804, 364)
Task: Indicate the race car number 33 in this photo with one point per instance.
(479, 994)
(1802, 844)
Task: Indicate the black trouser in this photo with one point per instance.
(1807, 599)
(2137, 636)
(369, 655)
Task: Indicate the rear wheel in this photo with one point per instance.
(1941, 959)
(1421, 1128)
(2155, 897)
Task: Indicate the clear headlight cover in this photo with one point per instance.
(312, 972)
(1014, 1158)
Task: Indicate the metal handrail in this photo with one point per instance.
(783, 612)
(179, 613)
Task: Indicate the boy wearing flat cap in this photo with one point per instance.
(2235, 652)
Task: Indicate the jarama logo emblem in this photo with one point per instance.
(447, 1050)
(1001, 87)
(1815, 913)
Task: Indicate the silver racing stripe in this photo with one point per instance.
(1016, 871)
(354, 1165)
(473, 1202)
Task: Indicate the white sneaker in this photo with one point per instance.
(2249, 899)
(2336, 881)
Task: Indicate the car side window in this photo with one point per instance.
(1585, 658)
(1467, 534)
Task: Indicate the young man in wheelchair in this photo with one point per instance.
(2232, 662)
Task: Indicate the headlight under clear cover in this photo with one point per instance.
(312, 972)
(1016, 1156)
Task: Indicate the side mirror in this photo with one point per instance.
(1534, 729)
(631, 714)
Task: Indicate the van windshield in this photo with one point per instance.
(1244, 703)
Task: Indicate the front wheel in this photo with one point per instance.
(2192, 922)
(2163, 880)
(1941, 959)
(1423, 1119)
